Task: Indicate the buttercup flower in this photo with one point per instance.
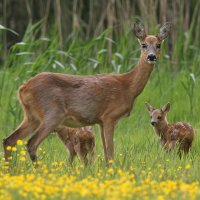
(19, 142)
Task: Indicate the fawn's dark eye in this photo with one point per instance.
(144, 46)
(158, 46)
(159, 117)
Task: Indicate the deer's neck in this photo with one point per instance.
(137, 78)
(162, 128)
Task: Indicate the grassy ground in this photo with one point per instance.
(141, 168)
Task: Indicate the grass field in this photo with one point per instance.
(141, 169)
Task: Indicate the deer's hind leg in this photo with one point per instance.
(27, 126)
(47, 125)
(184, 147)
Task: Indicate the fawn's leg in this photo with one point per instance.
(71, 151)
(63, 135)
(184, 147)
(80, 151)
(92, 154)
(83, 157)
(72, 155)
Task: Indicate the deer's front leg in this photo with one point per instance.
(108, 132)
(103, 140)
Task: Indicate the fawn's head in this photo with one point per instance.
(151, 44)
(158, 116)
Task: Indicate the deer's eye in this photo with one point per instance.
(158, 46)
(144, 46)
(159, 117)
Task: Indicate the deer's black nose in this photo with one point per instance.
(151, 57)
(153, 123)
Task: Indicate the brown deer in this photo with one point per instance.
(179, 133)
(53, 99)
(79, 141)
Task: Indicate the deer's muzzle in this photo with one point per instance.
(151, 58)
(153, 123)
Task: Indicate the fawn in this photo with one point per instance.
(79, 141)
(181, 133)
(53, 99)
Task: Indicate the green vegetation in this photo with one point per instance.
(175, 79)
(177, 83)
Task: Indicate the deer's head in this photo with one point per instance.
(151, 44)
(158, 116)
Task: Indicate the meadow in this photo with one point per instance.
(141, 168)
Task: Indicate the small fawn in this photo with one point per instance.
(181, 133)
(79, 141)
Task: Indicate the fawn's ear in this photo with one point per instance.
(166, 108)
(149, 107)
(139, 30)
(164, 31)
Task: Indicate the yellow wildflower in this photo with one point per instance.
(110, 161)
(160, 197)
(179, 168)
(8, 148)
(110, 171)
(14, 149)
(23, 153)
(119, 172)
(22, 158)
(187, 167)
(19, 142)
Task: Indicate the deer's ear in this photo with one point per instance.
(164, 31)
(149, 107)
(139, 30)
(166, 108)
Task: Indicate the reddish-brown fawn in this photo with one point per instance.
(179, 133)
(53, 99)
(79, 141)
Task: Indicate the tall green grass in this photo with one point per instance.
(173, 80)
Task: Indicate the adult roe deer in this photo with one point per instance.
(53, 99)
(79, 141)
(180, 132)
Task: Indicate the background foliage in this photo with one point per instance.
(90, 37)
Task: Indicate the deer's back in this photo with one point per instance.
(181, 131)
(86, 98)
